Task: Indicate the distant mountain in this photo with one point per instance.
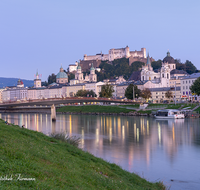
(13, 82)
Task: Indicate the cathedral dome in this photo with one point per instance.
(61, 75)
(168, 58)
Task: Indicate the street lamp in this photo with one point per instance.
(133, 93)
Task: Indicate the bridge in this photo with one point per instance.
(58, 101)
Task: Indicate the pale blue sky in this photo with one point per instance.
(43, 34)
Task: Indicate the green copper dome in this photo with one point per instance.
(79, 67)
(61, 75)
(92, 68)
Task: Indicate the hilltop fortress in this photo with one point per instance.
(118, 53)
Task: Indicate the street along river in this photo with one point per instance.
(157, 150)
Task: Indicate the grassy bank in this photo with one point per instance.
(116, 109)
(95, 109)
(57, 165)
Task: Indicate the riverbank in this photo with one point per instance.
(32, 160)
(121, 110)
(103, 110)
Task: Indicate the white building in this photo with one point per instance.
(15, 93)
(186, 82)
(94, 86)
(73, 67)
(1, 90)
(158, 94)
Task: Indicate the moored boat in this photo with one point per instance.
(169, 114)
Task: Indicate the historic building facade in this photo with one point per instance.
(162, 77)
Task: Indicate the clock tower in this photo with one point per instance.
(37, 81)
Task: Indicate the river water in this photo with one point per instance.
(157, 150)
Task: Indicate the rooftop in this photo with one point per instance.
(192, 76)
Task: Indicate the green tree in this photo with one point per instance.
(156, 64)
(85, 93)
(70, 76)
(168, 94)
(106, 91)
(189, 67)
(45, 83)
(129, 91)
(51, 78)
(146, 94)
(195, 88)
(179, 65)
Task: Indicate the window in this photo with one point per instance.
(163, 75)
(183, 87)
(183, 82)
(186, 82)
(167, 75)
(189, 81)
(186, 87)
(156, 96)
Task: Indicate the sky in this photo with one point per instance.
(43, 34)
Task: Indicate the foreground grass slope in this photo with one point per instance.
(57, 165)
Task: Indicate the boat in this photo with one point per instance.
(169, 114)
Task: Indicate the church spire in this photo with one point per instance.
(148, 60)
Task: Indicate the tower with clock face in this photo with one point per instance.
(37, 81)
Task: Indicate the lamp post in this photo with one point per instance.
(133, 93)
(175, 92)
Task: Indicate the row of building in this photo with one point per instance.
(159, 82)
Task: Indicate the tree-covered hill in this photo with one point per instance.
(117, 68)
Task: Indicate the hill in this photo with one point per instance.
(13, 82)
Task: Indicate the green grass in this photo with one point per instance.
(145, 111)
(173, 106)
(197, 110)
(130, 106)
(189, 106)
(156, 106)
(94, 109)
(57, 165)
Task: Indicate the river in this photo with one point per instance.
(157, 150)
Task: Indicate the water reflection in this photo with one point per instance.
(156, 149)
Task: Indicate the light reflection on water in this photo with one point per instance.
(155, 149)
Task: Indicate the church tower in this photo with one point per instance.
(92, 75)
(37, 81)
(79, 74)
(147, 70)
(165, 75)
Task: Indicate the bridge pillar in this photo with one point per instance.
(53, 113)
